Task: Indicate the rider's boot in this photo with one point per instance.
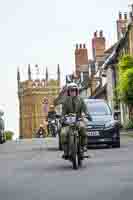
(84, 150)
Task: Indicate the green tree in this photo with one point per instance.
(9, 135)
(125, 86)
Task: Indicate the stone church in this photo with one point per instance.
(35, 97)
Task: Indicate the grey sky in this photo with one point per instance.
(45, 32)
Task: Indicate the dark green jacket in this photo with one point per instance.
(74, 105)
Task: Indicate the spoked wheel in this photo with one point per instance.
(52, 131)
(79, 156)
(75, 158)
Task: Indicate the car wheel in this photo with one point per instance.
(116, 144)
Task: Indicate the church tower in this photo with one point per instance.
(32, 108)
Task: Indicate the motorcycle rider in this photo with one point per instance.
(73, 103)
(41, 131)
(51, 116)
(52, 112)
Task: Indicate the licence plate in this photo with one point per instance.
(93, 133)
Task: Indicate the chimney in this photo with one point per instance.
(76, 46)
(98, 45)
(95, 34)
(80, 46)
(125, 16)
(121, 25)
(101, 33)
(120, 16)
(81, 56)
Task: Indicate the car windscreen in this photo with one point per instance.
(98, 108)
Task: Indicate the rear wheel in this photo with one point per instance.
(79, 153)
(75, 158)
(79, 159)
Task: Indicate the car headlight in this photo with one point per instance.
(109, 124)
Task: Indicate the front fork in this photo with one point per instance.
(70, 140)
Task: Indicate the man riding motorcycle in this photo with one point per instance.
(73, 103)
(52, 117)
(52, 112)
(41, 132)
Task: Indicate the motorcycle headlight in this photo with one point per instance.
(109, 124)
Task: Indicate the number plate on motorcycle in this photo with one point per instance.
(70, 120)
(93, 133)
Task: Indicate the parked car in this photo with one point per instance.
(104, 128)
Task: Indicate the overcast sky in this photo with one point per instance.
(45, 32)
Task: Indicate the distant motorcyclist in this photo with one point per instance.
(73, 103)
(52, 112)
(52, 121)
(41, 132)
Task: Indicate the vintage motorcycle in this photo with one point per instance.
(74, 150)
(41, 133)
(52, 127)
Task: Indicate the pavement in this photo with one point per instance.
(34, 170)
(126, 132)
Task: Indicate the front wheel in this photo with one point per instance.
(79, 156)
(75, 158)
(53, 131)
(50, 131)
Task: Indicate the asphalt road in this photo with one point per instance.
(34, 170)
